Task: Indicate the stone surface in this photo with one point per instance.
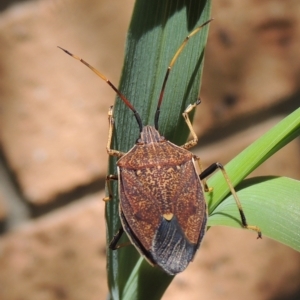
(53, 132)
(53, 111)
(15, 210)
(232, 265)
(59, 256)
(3, 209)
(251, 59)
(62, 256)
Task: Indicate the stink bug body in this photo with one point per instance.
(162, 205)
(162, 218)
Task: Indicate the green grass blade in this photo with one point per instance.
(146, 282)
(272, 203)
(156, 31)
(253, 156)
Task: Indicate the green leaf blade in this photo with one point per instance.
(253, 156)
(272, 203)
(156, 31)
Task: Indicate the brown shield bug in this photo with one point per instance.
(162, 205)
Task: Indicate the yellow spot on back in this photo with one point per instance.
(168, 216)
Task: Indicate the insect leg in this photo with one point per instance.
(113, 243)
(109, 178)
(185, 114)
(110, 151)
(213, 168)
(206, 188)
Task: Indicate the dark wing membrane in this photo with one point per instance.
(171, 250)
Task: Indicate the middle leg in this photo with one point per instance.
(212, 168)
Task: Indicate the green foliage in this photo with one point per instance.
(272, 203)
(156, 31)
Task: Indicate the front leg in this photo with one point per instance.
(185, 114)
(110, 151)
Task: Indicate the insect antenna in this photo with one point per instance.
(161, 95)
(122, 97)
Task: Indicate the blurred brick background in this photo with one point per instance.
(53, 132)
